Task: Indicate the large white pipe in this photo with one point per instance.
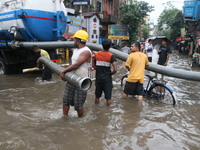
(83, 82)
(177, 73)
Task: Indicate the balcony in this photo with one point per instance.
(113, 19)
(110, 19)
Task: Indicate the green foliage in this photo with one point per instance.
(133, 14)
(145, 31)
(170, 23)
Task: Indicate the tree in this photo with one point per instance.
(170, 22)
(145, 31)
(133, 14)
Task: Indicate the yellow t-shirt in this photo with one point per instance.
(44, 53)
(137, 62)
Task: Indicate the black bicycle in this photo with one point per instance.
(155, 89)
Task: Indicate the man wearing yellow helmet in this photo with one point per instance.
(81, 60)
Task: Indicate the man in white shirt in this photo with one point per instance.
(149, 49)
(73, 95)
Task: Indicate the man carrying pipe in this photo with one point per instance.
(81, 61)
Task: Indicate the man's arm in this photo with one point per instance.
(168, 55)
(146, 62)
(128, 63)
(114, 64)
(159, 50)
(128, 68)
(94, 62)
(83, 57)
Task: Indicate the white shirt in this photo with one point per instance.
(149, 49)
(126, 50)
(84, 68)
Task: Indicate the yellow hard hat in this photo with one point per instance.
(81, 34)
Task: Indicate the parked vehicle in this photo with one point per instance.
(31, 21)
(191, 10)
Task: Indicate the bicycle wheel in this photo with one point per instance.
(123, 81)
(163, 94)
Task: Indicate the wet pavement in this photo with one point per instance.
(31, 116)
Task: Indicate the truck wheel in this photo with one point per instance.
(8, 69)
(2, 66)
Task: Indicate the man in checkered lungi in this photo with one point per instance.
(73, 95)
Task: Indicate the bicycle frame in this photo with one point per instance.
(153, 84)
(157, 90)
(148, 86)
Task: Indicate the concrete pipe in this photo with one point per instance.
(83, 82)
(177, 73)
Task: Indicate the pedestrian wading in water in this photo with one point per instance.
(135, 64)
(103, 60)
(81, 60)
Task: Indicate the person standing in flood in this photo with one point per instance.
(164, 54)
(126, 49)
(102, 63)
(47, 73)
(143, 50)
(149, 50)
(136, 63)
(81, 61)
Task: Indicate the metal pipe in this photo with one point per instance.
(177, 73)
(30, 69)
(83, 82)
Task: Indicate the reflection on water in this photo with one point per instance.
(31, 117)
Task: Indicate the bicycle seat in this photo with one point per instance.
(150, 77)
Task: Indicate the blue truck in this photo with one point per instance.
(191, 10)
(28, 21)
(191, 13)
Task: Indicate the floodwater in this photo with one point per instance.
(31, 117)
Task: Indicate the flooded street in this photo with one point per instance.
(31, 117)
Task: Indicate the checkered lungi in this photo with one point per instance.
(74, 96)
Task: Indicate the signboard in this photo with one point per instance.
(75, 25)
(74, 20)
(118, 32)
(81, 2)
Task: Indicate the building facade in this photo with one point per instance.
(91, 23)
(106, 12)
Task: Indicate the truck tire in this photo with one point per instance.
(3, 67)
(6, 69)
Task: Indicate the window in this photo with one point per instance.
(99, 6)
(95, 20)
(92, 36)
(96, 36)
(94, 31)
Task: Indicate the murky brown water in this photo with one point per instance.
(31, 117)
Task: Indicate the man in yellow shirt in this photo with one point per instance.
(47, 74)
(136, 63)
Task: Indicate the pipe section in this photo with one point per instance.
(83, 82)
(177, 73)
